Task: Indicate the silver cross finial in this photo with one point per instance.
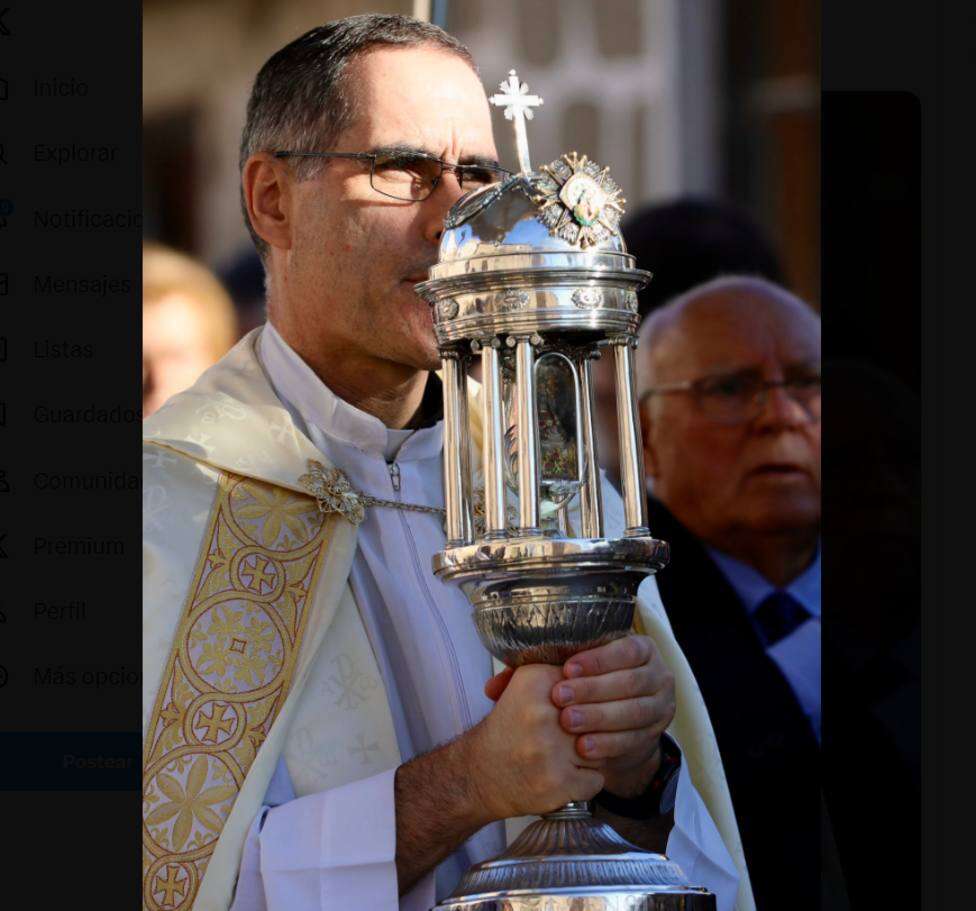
(518, 106)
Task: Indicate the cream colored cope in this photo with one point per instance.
(231, 425)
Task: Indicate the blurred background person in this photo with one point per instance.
(188, 323)
(684, 243)
(729, 386)
(688, 241)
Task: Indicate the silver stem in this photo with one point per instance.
(631, 447)
(591, 496)
(493, 454)
(575, 809)
(455, 453)
(528, 437)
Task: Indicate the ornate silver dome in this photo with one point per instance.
(504, 219)
(541, 251)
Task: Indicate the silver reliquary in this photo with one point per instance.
(534, 282)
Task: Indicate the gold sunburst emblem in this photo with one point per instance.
(578, 200)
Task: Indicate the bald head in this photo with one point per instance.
(734, 461)
(700, 332)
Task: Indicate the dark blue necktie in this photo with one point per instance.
(778, 614)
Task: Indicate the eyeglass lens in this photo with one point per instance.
(741, 396)
(413, 178)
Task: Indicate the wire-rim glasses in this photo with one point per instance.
(409, 175)
(734, 398)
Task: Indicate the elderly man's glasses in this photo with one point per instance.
(409, 175)
(734, 398)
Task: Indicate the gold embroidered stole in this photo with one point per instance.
(228, 673)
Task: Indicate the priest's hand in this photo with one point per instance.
(616, 700)
(525, 763)
(517, 761)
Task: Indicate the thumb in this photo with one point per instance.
(496, 685)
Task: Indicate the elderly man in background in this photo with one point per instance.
(729, 384)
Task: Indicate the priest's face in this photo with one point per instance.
(722, 470)
(355, 254)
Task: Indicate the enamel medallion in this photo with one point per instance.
(578, 200)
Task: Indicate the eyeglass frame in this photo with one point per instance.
(458, 169)
(756, 402)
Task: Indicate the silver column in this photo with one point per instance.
(493, 452)
(631, 447)
(465, 448)
(456, 472)
(591, 496)
(528, 437)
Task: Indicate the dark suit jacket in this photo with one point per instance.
(770, 753)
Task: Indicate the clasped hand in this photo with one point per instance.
(561, 734)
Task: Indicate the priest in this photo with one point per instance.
(322, 726)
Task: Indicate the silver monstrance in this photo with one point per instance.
(534, 280)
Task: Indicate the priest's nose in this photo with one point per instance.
(438, 204)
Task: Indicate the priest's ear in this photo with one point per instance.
(266, 188)
(650, 459)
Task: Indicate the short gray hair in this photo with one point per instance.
(299, 100)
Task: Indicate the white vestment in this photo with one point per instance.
(391, 667)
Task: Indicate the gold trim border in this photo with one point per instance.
(257, 535)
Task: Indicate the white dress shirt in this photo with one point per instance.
(433, 667)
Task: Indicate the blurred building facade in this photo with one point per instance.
(708, 97)
(200, 58)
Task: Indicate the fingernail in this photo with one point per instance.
(574, 670)
(588, 744)
(575, 718)
(564, 694)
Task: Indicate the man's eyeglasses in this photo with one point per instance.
(412, 176)
(734, 398)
